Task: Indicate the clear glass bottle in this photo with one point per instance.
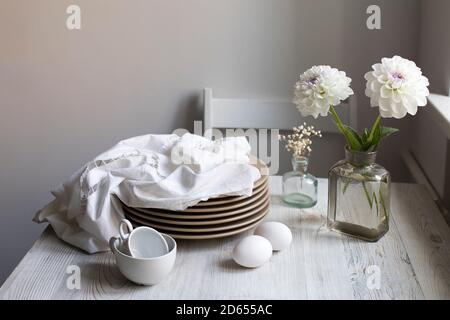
(299, 187)
(359, 196)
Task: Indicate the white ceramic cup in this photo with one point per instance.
(145, 271)
(142, 242)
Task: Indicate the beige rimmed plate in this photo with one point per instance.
(211, 209)
(229, 199)
(178, 222)
(260, 181)
(227, 207)
(206, 214)
(263, 169)
(208, 229)
(206, 236)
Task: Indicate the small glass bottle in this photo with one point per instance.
(299, 187)
(359, 196)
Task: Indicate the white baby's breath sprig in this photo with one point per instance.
(299, 142)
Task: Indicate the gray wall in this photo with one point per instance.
(434, 51)
(139, 66)
(434, 57)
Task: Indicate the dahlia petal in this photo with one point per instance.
(385, 92)
(412, 110)
(422, 101)
(397, 87)
(385, 114)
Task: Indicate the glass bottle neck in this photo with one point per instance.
(360, 158)
(300, 164)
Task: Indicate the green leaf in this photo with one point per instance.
(380, 134)
(386, 131)
(364, 138)
(375, 127)
(371, 148)
(353, 138)
(376, 138)
(365, 135)
(372, 139)
(353, 133)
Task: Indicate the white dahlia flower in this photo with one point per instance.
(397, 87)
(319, 88)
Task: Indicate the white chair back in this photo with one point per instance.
(244, 116)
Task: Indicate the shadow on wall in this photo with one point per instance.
(190, 110)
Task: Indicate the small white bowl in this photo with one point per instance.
(144, 271)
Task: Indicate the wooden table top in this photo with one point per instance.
(412, 261)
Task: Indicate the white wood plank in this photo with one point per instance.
(338, 264)
(324, 256)
(319, 264)
(426, 236)
(388, 255)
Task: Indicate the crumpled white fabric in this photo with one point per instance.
(202, 154)
(140, 172)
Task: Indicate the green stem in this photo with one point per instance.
(376, 203)
(346, 184)
(382, 203)
(367, 195)
(337, 120)
(340, 125)
(352, 137)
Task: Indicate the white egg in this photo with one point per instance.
(279, 235)
(252, 252)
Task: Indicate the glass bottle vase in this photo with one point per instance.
(299, 187)
(359, 196)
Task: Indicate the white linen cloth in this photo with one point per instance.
(153, 171)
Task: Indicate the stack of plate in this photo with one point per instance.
(215, 218)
